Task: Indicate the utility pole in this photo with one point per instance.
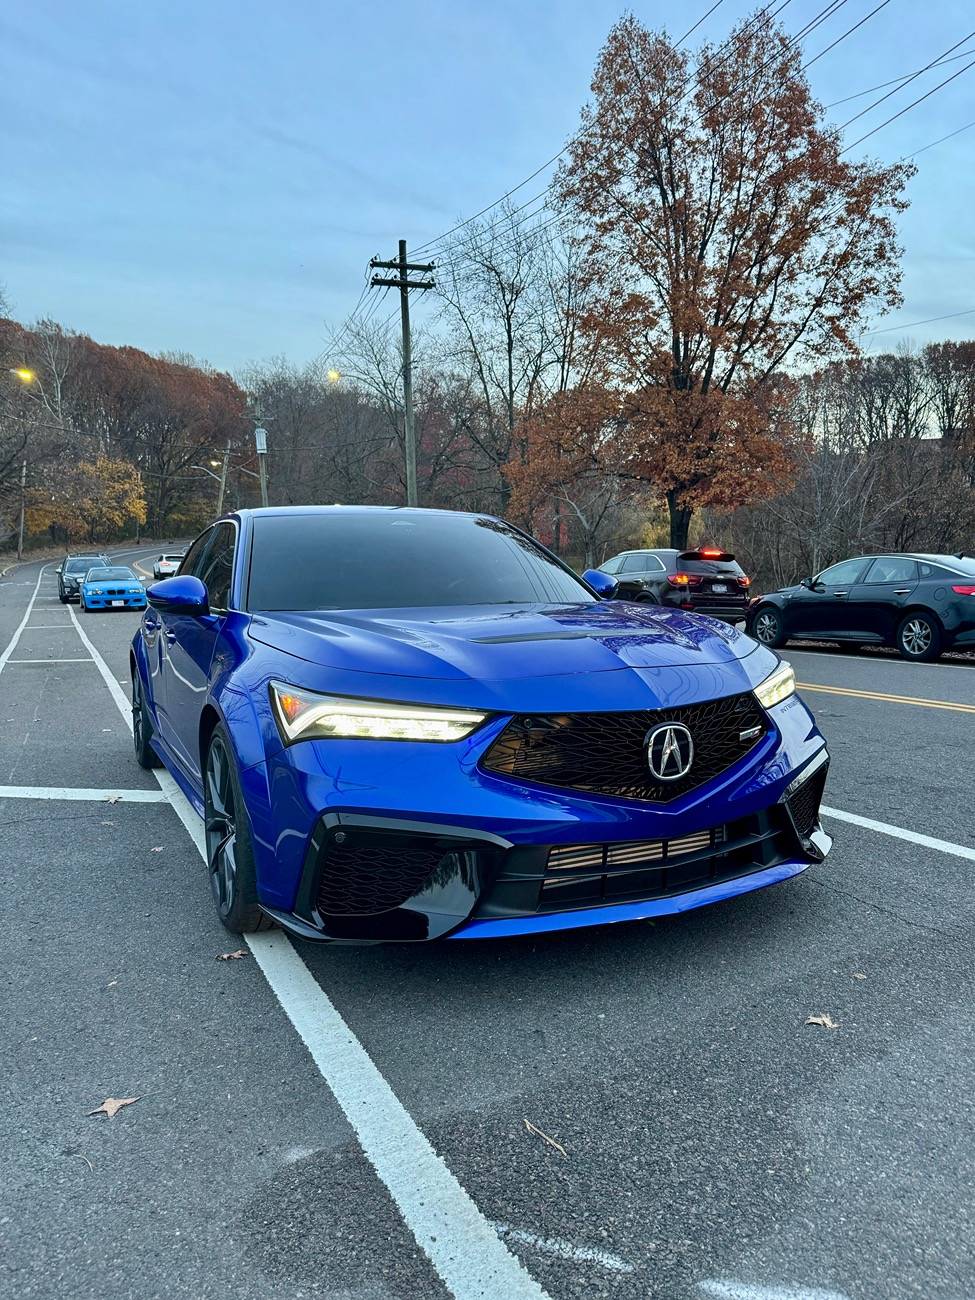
(223, 479)
(23, 496)
(405, 284)
(260, 442)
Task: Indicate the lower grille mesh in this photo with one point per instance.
(364, 879)
(804, 802)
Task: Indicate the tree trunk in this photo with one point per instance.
(680, 521)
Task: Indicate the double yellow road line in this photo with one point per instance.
(889, 699)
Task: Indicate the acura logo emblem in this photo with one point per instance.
(670, 751)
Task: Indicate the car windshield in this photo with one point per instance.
(80, 566)
(398, 560)
(111, 575)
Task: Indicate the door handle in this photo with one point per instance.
(840, 593)
(902, 591)
(170, 635)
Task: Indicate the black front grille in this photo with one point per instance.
(805, 799)
(606, 753)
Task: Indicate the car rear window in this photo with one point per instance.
(400, 560)
(730, 567)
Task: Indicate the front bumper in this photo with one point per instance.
(531, 859)
(368, 879)
(95, 601)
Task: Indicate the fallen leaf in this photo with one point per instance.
(112, 1105)
(108, 729)
(825, 1021)
(545, 1138)
(232, 956)
(86, 1160)
(111, 984)
(113, 798)
(859, 975)
(104, 823)
(157, 849)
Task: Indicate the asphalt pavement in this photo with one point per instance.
(691, 1136)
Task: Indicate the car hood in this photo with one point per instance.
(529, 645)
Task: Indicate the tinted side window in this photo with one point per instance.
(611, 566)
(892, 568)
(218, 566)
(844, 572)
(635, 564)
(936, 571)
(193, 559)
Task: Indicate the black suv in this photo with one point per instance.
(71, 574)
(707, 581)
(922, 604)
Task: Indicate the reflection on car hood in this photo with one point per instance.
(491, 642)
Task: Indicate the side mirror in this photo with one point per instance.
(186, 595)
(603, 584)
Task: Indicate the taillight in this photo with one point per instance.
(684, 579)
(964, 589)
(744, 580)
(710, 553)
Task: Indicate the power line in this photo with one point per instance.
(848, 32)
(835, 103)
(703, 18)
(438, 239)
(919, 100)
(893, 329)
(907, 81)
(967, 127)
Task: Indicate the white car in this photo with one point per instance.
(167, 565)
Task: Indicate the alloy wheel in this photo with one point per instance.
(138, 726)
(916, 636)
(766, 628)
(221, 827)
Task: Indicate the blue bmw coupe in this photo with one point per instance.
(403, 724)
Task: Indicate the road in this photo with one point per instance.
(709, 1142)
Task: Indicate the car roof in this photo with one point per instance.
(259, 512)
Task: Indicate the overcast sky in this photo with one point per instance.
(212, 176)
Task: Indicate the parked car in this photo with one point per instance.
(113, 587)
(71, 573)
(166, 565)
(402, 724)
(922, 604)
(708, 580)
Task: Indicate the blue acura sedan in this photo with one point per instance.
(403, 724)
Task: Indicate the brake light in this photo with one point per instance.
(744, 580)
(684, 579)
(710, 554)
(964, 589)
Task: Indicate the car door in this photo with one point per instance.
(823, 609)
(155, 642)
(878, 600)
(190, 643)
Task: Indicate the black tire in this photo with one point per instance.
(229, 848)
(142, 728)
(647, 598)
(82, 607)
(919, 637)
(62, 598)
(765, 625)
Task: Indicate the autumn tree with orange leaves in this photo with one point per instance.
(725, 238)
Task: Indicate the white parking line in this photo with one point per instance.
(80, 794)
(719, 1289)
(901, 833)
(564, 1249)
(459, 1241)
(46, 627)
(12, 643)
(86, 660)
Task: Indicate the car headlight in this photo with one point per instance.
(306, 715)
(776, 687)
